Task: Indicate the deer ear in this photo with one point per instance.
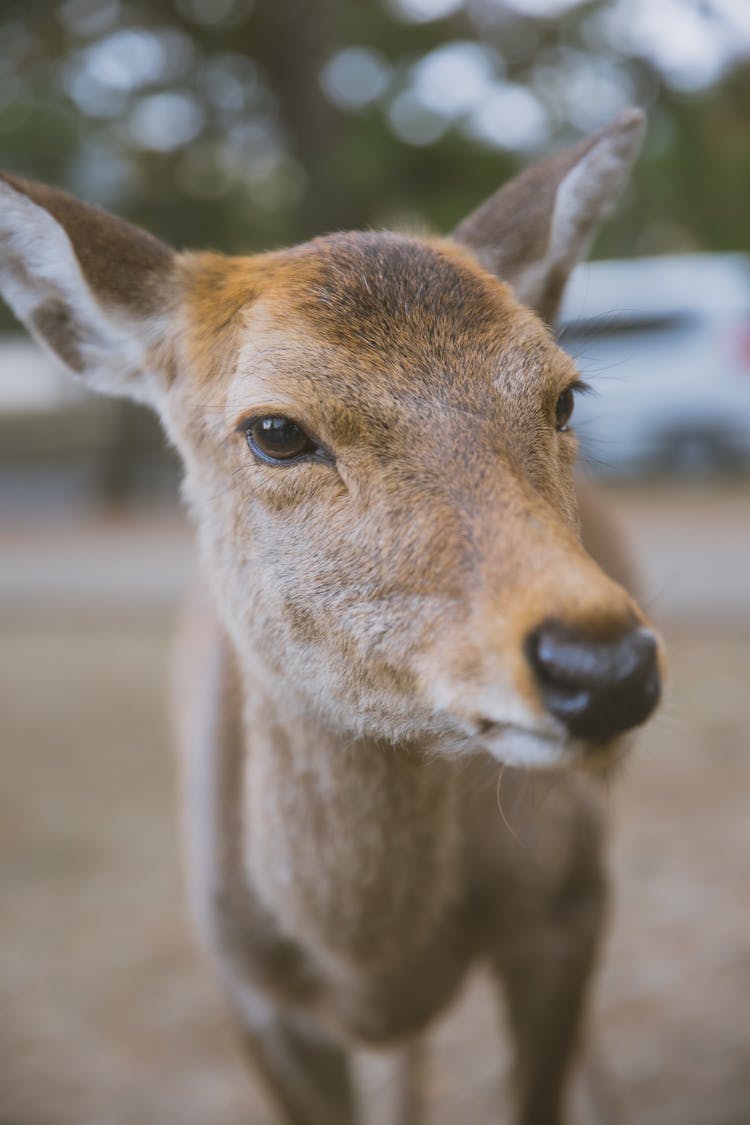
(534, 229)
(93, 289)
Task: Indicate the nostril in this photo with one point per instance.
(597, 688)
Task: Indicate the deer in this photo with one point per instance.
(405, 597)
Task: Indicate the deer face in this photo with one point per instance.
(378, 457)
(381, 467)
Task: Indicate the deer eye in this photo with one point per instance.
(566, 403)
(564, 410)
(279, 439)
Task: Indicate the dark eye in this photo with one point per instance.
(277, 438)
(564, 410)
(565, 404)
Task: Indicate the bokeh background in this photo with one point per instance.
(247, 124)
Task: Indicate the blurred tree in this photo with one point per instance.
(244, 124)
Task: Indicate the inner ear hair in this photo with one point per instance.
(123, 264)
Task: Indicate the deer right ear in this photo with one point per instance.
(91, 288)
(533, 230)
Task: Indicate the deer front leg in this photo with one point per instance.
(305, 1074)
(545, 988)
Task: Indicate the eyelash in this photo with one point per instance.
(580, 387)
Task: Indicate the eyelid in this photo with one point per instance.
(246, 417)
(246, 421)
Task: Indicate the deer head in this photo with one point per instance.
(378, 455)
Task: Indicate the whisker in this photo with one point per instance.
(499, 801)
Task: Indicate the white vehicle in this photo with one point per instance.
(665, 344)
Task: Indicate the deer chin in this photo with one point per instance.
(531, 747)
(526, 747)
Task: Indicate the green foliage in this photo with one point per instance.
(213, 122)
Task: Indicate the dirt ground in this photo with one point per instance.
(108, 1015)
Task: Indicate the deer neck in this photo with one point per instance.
(349, 841)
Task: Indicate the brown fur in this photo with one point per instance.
(110, 251)
(354, 671)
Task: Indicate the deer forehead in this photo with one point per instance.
(360, 329)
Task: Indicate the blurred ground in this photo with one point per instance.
(108, 1015)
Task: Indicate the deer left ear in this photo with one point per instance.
(93, 289)
(534, 229)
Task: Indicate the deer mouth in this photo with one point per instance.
(518, 745)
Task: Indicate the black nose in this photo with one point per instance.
(596, 688)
